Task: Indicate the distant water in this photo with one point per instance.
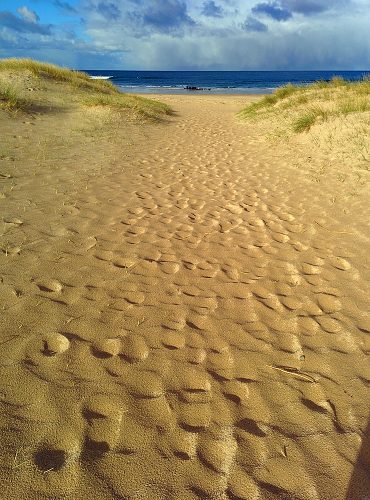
(216, 82)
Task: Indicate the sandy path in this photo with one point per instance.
(183, 317)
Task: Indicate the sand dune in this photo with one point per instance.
(184, 313)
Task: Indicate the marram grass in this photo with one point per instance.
(78, 88)
(147, 108)
(11, 98)
(56, 73)
(311, 104)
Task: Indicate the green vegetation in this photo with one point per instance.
(53, 86)
(11, 98)
(305, 106)
(147, 108)
(305, 122)
(359, 105)
(286, 91)
(56, 73)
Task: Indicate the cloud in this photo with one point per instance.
(192, 34)
(253, 24)
(165, 16)
(272, 9)
(28, 15)
(109, 10)
(309, 7)
(316, 47)
(64, 49)
(65, 6)
(211, 9)
(21, 25)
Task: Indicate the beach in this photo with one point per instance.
(184, 309)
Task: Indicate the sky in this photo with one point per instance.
(189, 34)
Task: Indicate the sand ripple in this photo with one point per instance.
(182, 319)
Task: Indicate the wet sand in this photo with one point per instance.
(184, 313)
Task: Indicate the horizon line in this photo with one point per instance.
(225, 70)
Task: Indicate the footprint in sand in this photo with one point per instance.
(59, 456)
(104, 419)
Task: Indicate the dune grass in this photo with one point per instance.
(305, 121)
(311, 104)
(147, 108)
(331, 119)
(56, 86)
(11, 98)
(58, 74)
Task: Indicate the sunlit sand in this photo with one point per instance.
(183, 309)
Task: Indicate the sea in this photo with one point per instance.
(215, 82)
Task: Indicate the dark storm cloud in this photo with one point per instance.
(253, 24)
(272, 9)
(22, 25)
(166, 15)
(282, 10)
(310, 7)
(211, 9)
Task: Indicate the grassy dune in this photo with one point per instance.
(302, 107)
(145, 107)
(26, 84)
(331, 118)
(56, 73)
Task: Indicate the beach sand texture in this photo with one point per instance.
(183, 313)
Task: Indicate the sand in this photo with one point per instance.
(183, 312)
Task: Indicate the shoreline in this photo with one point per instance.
(238, 100)
(231, 96)
(191, 92)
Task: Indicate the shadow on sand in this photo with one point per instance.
(359, 486)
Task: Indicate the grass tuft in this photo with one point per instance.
(304, 122)
(286, 91)
(359, 105)
(11, 98)
(337, 81)
(141, 106)
(266, 102)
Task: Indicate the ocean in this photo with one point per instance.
(215, 82)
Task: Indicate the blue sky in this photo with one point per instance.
(189, 34)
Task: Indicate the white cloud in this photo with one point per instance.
(175, 34)
(318, 35)
(28, 14)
